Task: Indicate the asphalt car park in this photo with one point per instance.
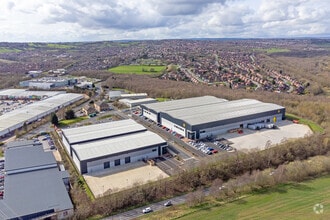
(47, 142)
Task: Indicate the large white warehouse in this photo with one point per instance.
(15, 119)
(201, 117)
(103, 146)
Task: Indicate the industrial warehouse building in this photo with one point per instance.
(49, 82)
(104, 146)
(131, 103)
(15, 119)
(201, 117)
(34, 186)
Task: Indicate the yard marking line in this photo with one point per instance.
(190, 158)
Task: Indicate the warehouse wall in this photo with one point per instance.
(95, 165)
(203, 133)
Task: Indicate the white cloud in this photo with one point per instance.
(81, 20)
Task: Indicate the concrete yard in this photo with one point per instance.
(259, 139)
(104, 182)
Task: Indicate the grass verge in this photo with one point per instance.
(72, 121)
(312, 125)
(162, 99)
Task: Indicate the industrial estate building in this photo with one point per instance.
(136, 102)
(34, 187)
(116, 94)
(15, 119)
(102, 146)
(201, 117)
(22, 94)
(49, 82)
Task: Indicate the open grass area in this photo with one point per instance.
(72, 121)
(286, 201)
(137, 69)
(312, 125)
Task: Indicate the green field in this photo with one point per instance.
(137, 69)
(273, 50)
(286, 201)
(60, 46)
(8, 50)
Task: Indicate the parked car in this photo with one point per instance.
(147, 210)
(168, 203)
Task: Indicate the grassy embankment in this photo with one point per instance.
(312, 125)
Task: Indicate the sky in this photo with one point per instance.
(99, 20)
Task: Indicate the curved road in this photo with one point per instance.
(135, 213)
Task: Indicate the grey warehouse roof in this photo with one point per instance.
(104, 130)
(184, 103)
(117, 145)
(31, 192)
(27, 157)
(35, 188)
(202, 114)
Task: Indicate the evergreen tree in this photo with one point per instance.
(54, 119)
(69, 114)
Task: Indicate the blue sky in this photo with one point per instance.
(96, 20)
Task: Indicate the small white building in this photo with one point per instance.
(115, 95)
(131, 103)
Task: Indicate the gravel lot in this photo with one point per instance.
(252, 139)
(105, 182)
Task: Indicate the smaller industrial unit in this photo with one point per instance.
(104, 146)
(206, 116)
(34, 187)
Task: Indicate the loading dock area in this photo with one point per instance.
(252, 139)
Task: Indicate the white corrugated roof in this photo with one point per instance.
(222, 111)
(27, 93)
(103, 130)
(35, 109)
(137, 101)
(184, 103)
(116, 145)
